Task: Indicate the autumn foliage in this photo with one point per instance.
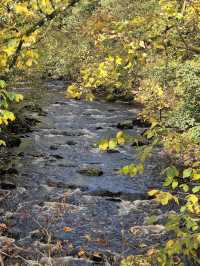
(143, 51)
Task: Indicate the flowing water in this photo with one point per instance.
(57, 208)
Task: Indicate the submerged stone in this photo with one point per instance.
(13, 141)
(53, 147)
(57, 156)
(90, 171)
(71, 143)
(7, 185)
(128, 124)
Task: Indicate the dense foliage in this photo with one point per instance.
(22, 24)
(153, 53)
(142, 50)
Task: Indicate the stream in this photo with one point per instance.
(65, 203)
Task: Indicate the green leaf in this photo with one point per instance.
(124, 170)
(112, 144)
(4, 104)
(2, 142)
(151, 219)
(174, 184)
(172, 172)
(140, 168)
(183, 209)
(167, 181)
(185, 187)
(133, 170)
(103, 145)
(187, 172)
(196, 189)
(11, 96)
(2, 84)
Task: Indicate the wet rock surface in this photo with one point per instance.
(66, 204)
(90, 171)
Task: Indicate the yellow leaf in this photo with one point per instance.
(153, 192)
(142, 44)
(19, 97)
(23, 10)
(196, 177)
(112, 144)
(170, 244)
(73, 92)
(120, 137)
(2, 142)
(29, 62)
(118, 60)
(192, 198)
(103, 145)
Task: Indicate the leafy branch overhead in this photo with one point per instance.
(16, 37)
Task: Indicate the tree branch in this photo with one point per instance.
(35, 27)
(194, 49)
